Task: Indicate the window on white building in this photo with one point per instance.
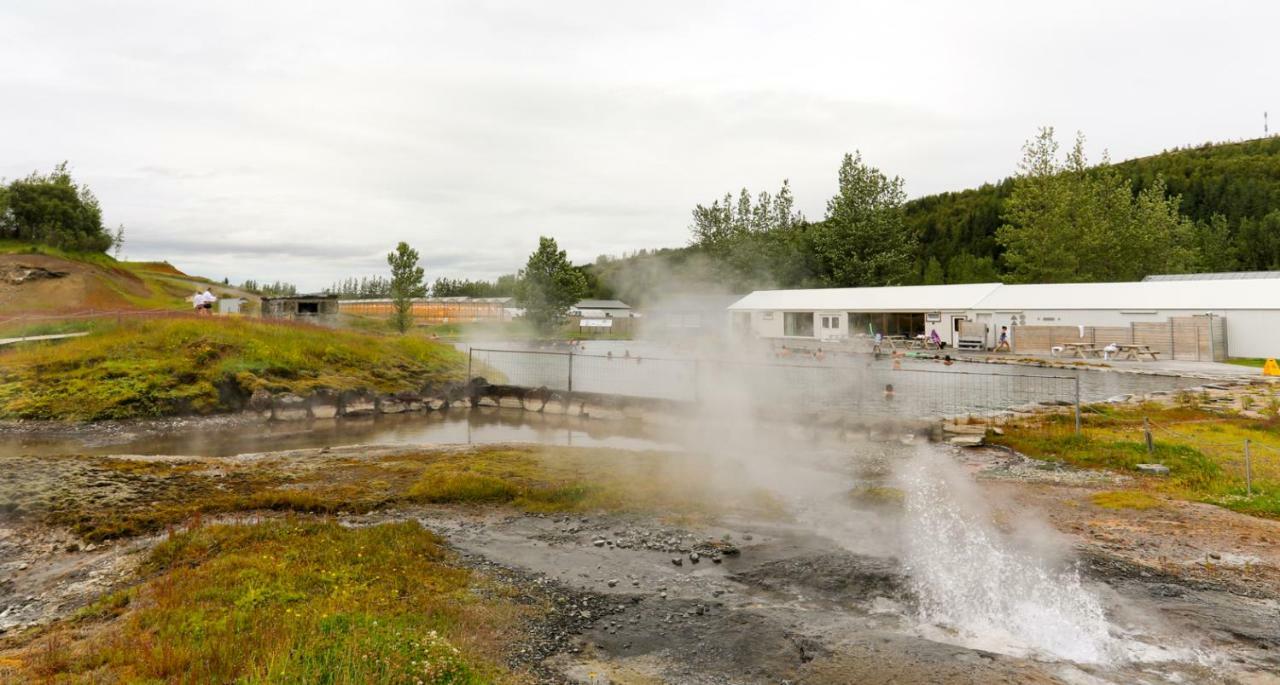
(798, 324)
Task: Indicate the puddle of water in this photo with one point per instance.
(216, 439)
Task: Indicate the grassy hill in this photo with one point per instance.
(205, 365)
(73, 282)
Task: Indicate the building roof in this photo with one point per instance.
(1137, 296)
(1219, 276)
(602, 304)
(1204, 295)
(909, 298)
(302, 296)
(692, 303)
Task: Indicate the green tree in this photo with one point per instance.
(864, 241)
(1214, 245)
(548, 285)
(966, 268)
(1066, 222)
(933, 273)
(54, 210)
(406, 284)
(751, 242)
(1258, 242)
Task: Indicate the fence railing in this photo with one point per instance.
(876, 390)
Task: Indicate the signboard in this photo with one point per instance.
(596, 323)
(933, 317)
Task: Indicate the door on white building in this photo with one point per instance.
(955, 330)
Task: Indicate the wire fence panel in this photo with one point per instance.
(659, 378)
(531, 369)
(870, 390)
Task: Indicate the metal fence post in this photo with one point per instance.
(1077, 403)
(470, 354)
(1248, 470)
(570, 370)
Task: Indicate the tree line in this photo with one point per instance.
(546, 288)
(1060, 218)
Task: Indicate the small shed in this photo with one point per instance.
(601, 309)
(231, 306)
(318, 307)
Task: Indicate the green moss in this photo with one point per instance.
(1203, 450)
(291, 601)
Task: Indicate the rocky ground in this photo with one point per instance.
(1192, 590)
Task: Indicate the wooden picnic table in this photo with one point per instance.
(1134, 351)
(1082, 350)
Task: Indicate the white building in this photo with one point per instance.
(1214, 317)
(834, 314)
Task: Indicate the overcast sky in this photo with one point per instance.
(300, 141)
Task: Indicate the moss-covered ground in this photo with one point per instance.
(149, 368)
(1203, 448)
(105, 498)
(290, 595)
(287, 601)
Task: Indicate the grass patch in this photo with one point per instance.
(1203, 449)
(159, 368)
(290, 601)
(1256, 362)
(1126, 499)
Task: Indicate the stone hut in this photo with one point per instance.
(314, 308)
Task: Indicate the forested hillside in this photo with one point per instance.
(1227, 218)
(1240, 182)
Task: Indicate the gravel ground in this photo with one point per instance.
(643, 599)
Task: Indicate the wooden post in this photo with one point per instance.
(1146, 432)
(1077, 403)
(1248, 470)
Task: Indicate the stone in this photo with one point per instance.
(356, 403)
(677, 561)
(324, 405)
(694, 557)
(260, 401)
(598, 542)
(613, 582)
(966, 440)
(391, 405)
(1154, 469)
(289, 407)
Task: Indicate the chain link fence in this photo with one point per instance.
(914, 391)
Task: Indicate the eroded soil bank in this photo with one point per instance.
(639, 567)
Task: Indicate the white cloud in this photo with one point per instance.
(301, 141)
